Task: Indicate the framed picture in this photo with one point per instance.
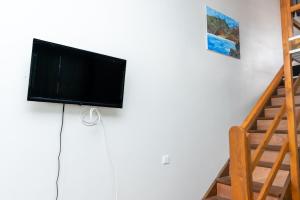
(223, 35)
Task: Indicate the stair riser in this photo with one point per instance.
(271, 112)
(277, 139)
(224, 191)
(265, 124)
(281, 91)
(277, 101)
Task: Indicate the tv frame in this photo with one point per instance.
(68, 101)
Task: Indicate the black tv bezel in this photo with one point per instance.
(71, 101)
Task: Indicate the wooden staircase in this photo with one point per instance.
(221, 188)
(264, 149)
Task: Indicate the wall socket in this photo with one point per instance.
(165, 160)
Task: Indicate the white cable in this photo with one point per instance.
(109, 156)
(94, 122)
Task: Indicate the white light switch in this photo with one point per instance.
(165, 160)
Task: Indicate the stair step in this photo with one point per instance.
(270, 118)
(279, 99)
(281, 90)
(267, 148)
(260, 175)
(216, 198)
(271, 153)
(276, 132)
(225, 192)
(277, 139)
(271, 156)
(278, 106)
(270, 165)
(271, 111)
(274, 191)
(264, 131)
(264, 124)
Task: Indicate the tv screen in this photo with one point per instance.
(62, 74)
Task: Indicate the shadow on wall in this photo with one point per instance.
(52, 108)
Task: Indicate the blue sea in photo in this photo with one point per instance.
(220, 44)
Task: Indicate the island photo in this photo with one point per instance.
(222, 34)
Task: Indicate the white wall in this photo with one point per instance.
(180, 99)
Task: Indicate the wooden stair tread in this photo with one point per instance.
(282, 95)
(279, 106)
(216, 198)
(268, 147)
(270, 165)
(270, 118)
(277, 131)
(282, 86)
(274, 191)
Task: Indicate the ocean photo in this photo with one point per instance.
(222, 34)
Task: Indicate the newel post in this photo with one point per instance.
(240, 165)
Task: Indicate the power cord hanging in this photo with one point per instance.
(59, 154)
(93, 121)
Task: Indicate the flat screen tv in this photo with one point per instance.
(62, 74)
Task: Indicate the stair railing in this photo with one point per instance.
(242, 162)
(287, 25)
(263, 100)
(240, 156)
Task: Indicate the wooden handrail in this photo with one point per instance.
(295, 8)
(263, 100)
(240, 165)
(269, 181)
(272, 128)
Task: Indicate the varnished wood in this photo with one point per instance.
(263, 131)
(279, 100)
(273, 126)
(271, 112)
(283, 167)
(265, 141)
(270, 164)
(271, 156)
(225, 191)
(257, 109)
(240, 165)
(268, 183)
(263, 124)
(294, 44)
(277, 140)
(260, 175)
(287, 32)
(212, 191)
(275, 191)
(281, 91)
(295, 8)
(268, 147)
(286, 187)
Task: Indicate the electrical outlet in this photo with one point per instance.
(165, 160)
